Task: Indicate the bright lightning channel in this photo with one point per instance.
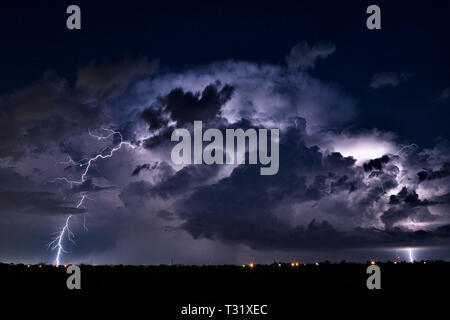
(57, 243)
(411, 256)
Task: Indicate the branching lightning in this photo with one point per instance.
(412, 145)
(87, 162)
(57, 242)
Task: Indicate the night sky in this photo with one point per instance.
(363, 118)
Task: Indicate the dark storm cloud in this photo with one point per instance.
(37, 116)
(304, 57)
(10, 179)
(166, 215)
(50, 110)
(19, 194)
(262, 93)
(186, 179)
(240, 207)
(376, 164)
(185, 107)
(409, 198)
(383, 79)
(406, 204)
(336, 161)
(395, 215)
(442, 199)
(88, 186)
(243, 215)
(318, 200)
(40, 203)
(163, 137)
(154, 118)
(139, 168)
(135, 193)
(172, 185)
(432, 175)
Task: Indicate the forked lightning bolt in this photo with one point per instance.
(88, 162)
(57, 243)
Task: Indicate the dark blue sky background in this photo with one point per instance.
(413, 39)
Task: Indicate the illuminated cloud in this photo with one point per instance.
(339, 186)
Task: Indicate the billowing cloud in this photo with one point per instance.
(259, 211)
(304, 57)
(185, 107)
(383, 79)
(443, 172)
(338, 186)
(50, 111)
(267, 95)
(43, 114)
(376, 164)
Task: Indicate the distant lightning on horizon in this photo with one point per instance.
(411, 256)
(57, 242)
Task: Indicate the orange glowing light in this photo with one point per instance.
(251, 265)
(372, 262)
(292, 264)
(296, 264)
